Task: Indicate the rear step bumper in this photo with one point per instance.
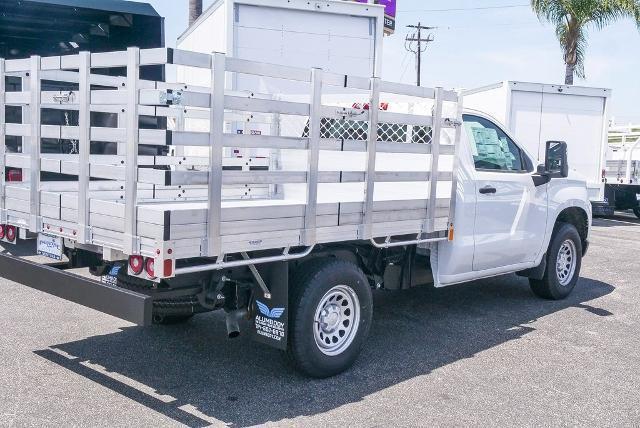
(120, 303)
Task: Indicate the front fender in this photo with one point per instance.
(561, 195)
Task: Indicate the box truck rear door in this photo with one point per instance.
(334, 42)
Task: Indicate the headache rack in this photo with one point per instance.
(311, 187)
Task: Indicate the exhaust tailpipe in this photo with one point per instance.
(233, 322)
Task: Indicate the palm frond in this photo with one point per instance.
(552, 11)
(608, 11)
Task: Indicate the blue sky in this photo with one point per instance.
(477, 47)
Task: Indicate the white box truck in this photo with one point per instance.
(336, 36)
(535, 113)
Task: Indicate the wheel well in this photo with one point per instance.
(577, 217)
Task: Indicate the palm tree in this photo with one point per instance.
(573, 18)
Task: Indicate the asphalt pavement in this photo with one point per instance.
(487, 353)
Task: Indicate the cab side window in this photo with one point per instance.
(492, 149)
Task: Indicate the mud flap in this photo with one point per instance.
(269, 317)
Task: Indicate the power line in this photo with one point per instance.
(404, 65)
(464, 9)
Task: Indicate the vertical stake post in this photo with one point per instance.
(3, 213)
(313, 151)
(454, 179)
(436, 131)
(35, 144)
(366, 229)
(131, 154)
(84, 129)
(216, 144)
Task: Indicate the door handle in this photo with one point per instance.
(486, 190)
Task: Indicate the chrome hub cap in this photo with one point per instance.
(566, 262)
(336, 320)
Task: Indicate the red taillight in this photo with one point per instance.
(604, 173)
(148, 266)
(136, 264)
(2, 231)
(168, 268)
(14, 175)
(11, 233)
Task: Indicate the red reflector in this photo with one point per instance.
(168, 268)
(14, 175)
(136, 263)
(11, 233)
(2, 231)
(148, 266)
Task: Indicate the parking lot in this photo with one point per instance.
(487, 353)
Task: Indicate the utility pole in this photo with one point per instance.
(195, 10)
(416, 44)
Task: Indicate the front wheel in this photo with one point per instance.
(564, 260)
(331, 310)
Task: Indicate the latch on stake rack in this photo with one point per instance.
(349, 112)
(63, 97)
(453, 123)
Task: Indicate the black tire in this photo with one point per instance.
(310, 286)
(636, 211)
(551, 286)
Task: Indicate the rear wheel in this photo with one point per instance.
(636, 211)
(564, 260)
(330, 315)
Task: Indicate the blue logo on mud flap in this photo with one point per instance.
(111, 277)
(274, 313)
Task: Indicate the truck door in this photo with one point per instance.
(511, 212)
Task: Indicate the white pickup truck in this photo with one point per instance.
(439, 196)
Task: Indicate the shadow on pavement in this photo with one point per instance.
(616, 220)
(173, 370)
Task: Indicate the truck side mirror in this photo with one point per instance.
(556, 164)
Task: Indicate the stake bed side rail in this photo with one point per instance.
(365, 173)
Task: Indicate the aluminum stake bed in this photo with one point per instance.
(170, 208)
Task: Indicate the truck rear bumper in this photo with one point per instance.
(120, 303)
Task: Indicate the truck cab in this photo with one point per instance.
(507, 207)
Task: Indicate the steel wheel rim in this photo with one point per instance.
(566, 262)
(336, 320)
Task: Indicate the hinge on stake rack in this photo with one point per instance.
(171, 98)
